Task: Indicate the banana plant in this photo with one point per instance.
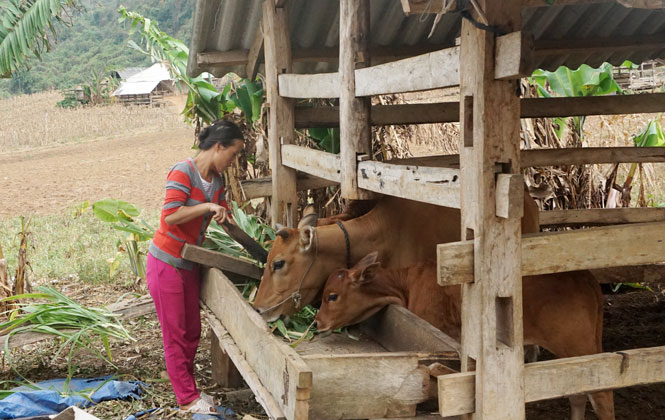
(325, 138)
(24, 30)
(585, 81)
(651, 136)
(124, 217)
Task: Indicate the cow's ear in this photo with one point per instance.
(308, 220)
(367, 260)
(307, 238)
(367, 273)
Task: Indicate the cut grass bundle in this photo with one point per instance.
(78, 327)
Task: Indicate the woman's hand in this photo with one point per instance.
(218, 213)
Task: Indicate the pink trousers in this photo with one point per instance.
(176, 296)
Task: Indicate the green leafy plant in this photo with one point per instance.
(124, 217)
(325, 138)
(25, 27)
(585, 81)
(219, 240)
(79, 327)
(249, 97)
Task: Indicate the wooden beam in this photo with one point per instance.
(262, 395)
(513, 56)
(440, 186)
(557, 252)
(379, 55)
(592, 105)
(563, 377)
(305, 86)
(210, 258)
(421, 6)
(281, 126)
(354, 113)
(545, 3)
(591, 217)
(262, 187)
(255, 54)
(492, 331)
(588, 155)
(443, 112)
(422, 72)
(275, 361)
(545, 48)
(315, 162)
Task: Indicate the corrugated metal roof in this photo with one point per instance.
(228, 25)
(144, 81)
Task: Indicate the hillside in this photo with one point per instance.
(96, 41)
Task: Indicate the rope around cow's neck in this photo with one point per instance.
(296, 296)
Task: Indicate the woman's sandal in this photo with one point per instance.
(207, 398)
(200, 407)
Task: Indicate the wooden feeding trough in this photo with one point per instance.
(381, 372)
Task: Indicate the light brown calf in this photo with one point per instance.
(562, 312)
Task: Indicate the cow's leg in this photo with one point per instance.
(577, 406)
(603, 404)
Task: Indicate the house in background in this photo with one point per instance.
(147, 87)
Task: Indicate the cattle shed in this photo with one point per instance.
(352, 50)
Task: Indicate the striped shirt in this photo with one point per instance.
(184, 187)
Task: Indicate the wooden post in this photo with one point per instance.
(492, 332)
(277, 49)
(354, 112)
(224, 372)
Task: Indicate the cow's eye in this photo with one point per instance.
(332, 297)
(276, 265)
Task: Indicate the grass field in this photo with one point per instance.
(35, 121)
(66, 247)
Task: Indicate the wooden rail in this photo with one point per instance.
(591, 217)
(315, 162)
(556, 252)
(445, 112)
(439, 186)
(562, 377)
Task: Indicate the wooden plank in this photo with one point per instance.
(556, 252)
(563, 377)
(592, 105)
(228, 58)
(443, 112)
(510, 195)
(263, 396)
(277, 52)
(421, 6)
(411, 74)
(513, 56)
(557, 47)
(588, 155)
(255, 54)
(210, 258)
(223, 370)
(590, 217)
(544, 3)
(278, 366)
(439, 186)
(393, 383)
(306, 86)
(398, 329)
(315, 162)
(354, 113)
(262, 187)
(492, 331)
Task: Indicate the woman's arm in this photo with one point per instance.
(186, 213)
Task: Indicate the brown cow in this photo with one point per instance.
(562, 312)
(403, 231)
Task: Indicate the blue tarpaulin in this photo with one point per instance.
(223, 413)
(26, 402)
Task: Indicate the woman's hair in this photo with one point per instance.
(221, 131)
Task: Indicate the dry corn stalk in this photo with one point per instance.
(5, 287)
(21, 284)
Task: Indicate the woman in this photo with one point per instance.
(194, 196)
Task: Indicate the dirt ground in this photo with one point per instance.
(131, 168)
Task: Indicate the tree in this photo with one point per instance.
(25, 27)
